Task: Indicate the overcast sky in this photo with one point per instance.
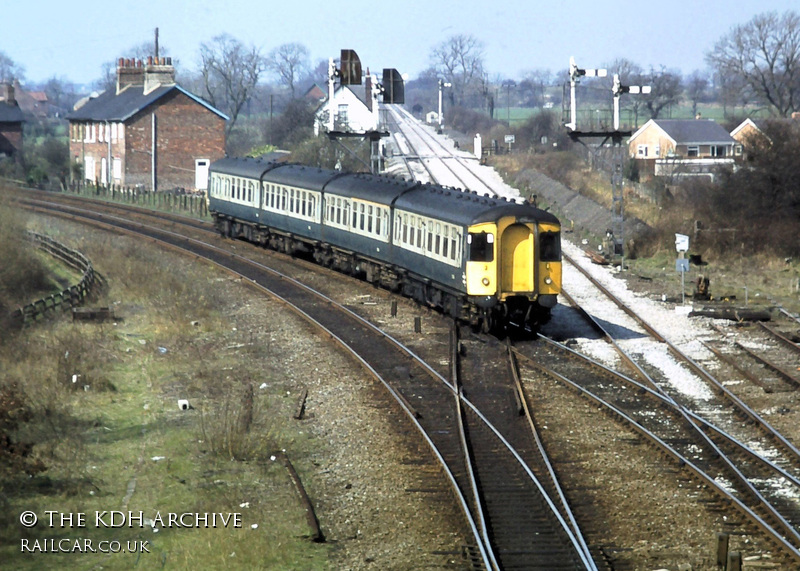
(72, 40)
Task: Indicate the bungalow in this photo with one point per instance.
(147, 132)
(682, 147)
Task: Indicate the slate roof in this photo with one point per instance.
(691, 131)
(10, 113)
(110, 106)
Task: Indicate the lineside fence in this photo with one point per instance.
(70, 297)
(176, 200)
(193, 204)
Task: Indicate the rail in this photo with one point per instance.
(68, 298)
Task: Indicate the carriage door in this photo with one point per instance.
(517, 259)
(201, 174)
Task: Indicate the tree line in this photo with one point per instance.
(757, 62)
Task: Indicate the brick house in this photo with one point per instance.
(682, 147)
(148, 132)
(11, 120)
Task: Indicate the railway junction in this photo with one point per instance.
(631, 508)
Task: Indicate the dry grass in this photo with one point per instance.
(116, 439)
(23, 274)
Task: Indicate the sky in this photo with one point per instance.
(72, 40)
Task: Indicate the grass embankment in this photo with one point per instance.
(99, 405)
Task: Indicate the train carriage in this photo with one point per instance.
(480, 259)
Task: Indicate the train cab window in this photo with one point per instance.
(550, 246)
(481, 247)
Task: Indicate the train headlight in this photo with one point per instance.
(485, 281)
(548, 281)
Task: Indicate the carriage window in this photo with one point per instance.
(549, 247)
(369, 219)
(481, 247)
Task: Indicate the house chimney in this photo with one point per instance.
(129, 72)
(7, 93)
(159, 71)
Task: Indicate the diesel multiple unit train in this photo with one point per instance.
(486, 261)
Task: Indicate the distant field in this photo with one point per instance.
(518, 115)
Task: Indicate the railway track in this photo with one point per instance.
(491, 547)
(676, 448)
(767, 488)
(523, 513)
(511, 536)
(430, 160)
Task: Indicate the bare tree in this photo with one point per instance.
(532, 86)
(765, 53)
(60, 93)
(317, 73)
(289, 62)
(731, 90)
(696, 87)
(630, 73)
(10, 70)
(459, 61)
(665, 90)
(229, 73)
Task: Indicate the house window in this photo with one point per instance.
(117, 169)
(342, 115)
(718, 151)
(737, 150)
(658, 150)
(641, 151)
(693, 151)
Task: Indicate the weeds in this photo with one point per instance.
(22, 272)
(228, 426)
